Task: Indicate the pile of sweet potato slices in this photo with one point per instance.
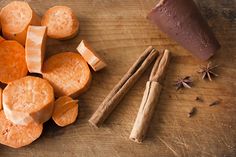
(29, 101)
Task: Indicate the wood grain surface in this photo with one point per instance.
(119, 32)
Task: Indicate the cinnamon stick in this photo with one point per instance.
(123, 86)
(150, 98)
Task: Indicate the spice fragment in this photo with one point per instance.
(217, 102)
(199, 99)
(192, 112)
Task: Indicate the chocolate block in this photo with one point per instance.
(182, 21)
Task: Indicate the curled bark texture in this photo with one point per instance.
(118, 92)
(159, 68)
(150, 98)
(149, 101)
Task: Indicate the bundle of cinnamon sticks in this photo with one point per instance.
(150, 97)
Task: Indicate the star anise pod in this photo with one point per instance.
(185, 82)
(207, 71)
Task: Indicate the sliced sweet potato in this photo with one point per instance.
(12, 61)
(65, 111)
(0, 98)
(29, 99)
(15, 19)
(35, 48)
(68, 73)
(90, 56)
(17, 136)
(61, 22)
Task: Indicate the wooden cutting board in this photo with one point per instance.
(119, 32)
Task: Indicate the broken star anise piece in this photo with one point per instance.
(185, 82)
(192, 112)
(207, 71)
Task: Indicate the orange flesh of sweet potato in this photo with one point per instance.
(1, 39)
(65, 111)
(68, 73)
(61, 22)
(15, 19)
(0, 98)
(35, 48)
(17, 136)
(12, 61)
(92, 58)
(29, 99)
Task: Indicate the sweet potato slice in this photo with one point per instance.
(28, 99)
(0, 98)
(68, 73)
(17, 136)
(61, 22)
(65, 111)
(15, 19)
(90, 56)
(35, 48)
(12, 61)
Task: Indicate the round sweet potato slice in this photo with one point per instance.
(61, 22)
(15, 19)
(65, 111)
(12, 61)
(17, 136)
(29, 99)
(68, 73)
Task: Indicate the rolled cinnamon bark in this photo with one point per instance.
(142, 121)
(123, 86)
(182, 21)
(150, 98)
